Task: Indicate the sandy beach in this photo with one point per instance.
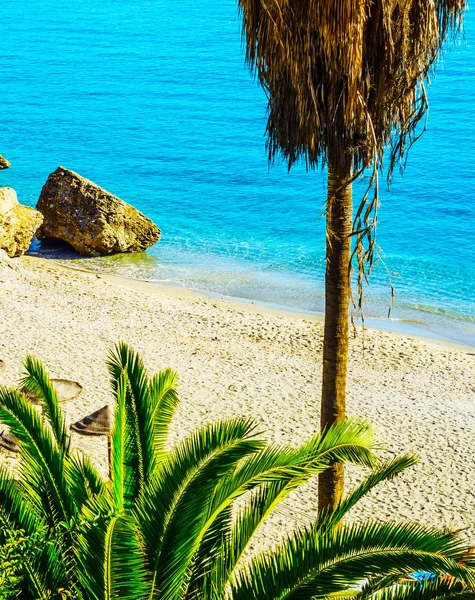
(238, 359)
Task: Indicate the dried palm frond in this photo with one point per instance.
(344, 80)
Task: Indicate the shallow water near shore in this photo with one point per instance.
(152, 101)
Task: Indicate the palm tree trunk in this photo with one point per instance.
(337, 299)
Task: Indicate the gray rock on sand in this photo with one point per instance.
(18, 223)
(90, 219)
(4, 163)
(66, 390)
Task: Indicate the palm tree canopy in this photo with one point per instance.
(345, 78)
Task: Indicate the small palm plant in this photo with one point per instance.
(175, 523)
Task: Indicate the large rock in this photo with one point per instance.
(18, 223)
(4, 164)
(8, 199)
(90, 219)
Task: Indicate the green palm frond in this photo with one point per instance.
(164, 400)
(33, 584)
(172, 512)
(183, 462)
(309, 565)
(51, 568)
(266, 497)
(275, 471)
(138, 443)
(46, 495)
(383, 472)
(127, 577)
(83, 478)
(43, 469)
(188, 526)
(38, 382)
(90, 552)
(227, 537)
(209, 571)
(111, 560)
(350, 441)
(144, 409)
(16, 512)
(250, 517)
(174, 523)
(290, 467)
(437, 588)
(121, 488)
(44, 563)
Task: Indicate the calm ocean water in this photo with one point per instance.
(151, 100)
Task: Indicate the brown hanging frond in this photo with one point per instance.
(345, 79)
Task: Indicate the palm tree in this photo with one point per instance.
(432, 589)
(174, 523)
(344, 79)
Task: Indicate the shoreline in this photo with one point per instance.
(236, 359)
(403, 327)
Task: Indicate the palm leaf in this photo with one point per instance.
(110, 557)
(438, 588)
(45, 565)
(309, 565)
(15, 510)
(138, 446)
(350, 441)
(187, 526)
(128, 579)
(83, 478)
(38, 382)
(51, 568)
(265, 499)
(168, 526)
(171, 511)
(276, 471)
(343, 85)
(120, 470)
(209, 572)
(43, 469)
(385, 471)
(164, 400)
(288, 468)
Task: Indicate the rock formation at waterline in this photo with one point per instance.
(18, 223)
(4, 164)
(90, 219)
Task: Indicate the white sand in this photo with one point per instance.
(236, 359)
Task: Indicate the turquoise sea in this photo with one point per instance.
(152, 100)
